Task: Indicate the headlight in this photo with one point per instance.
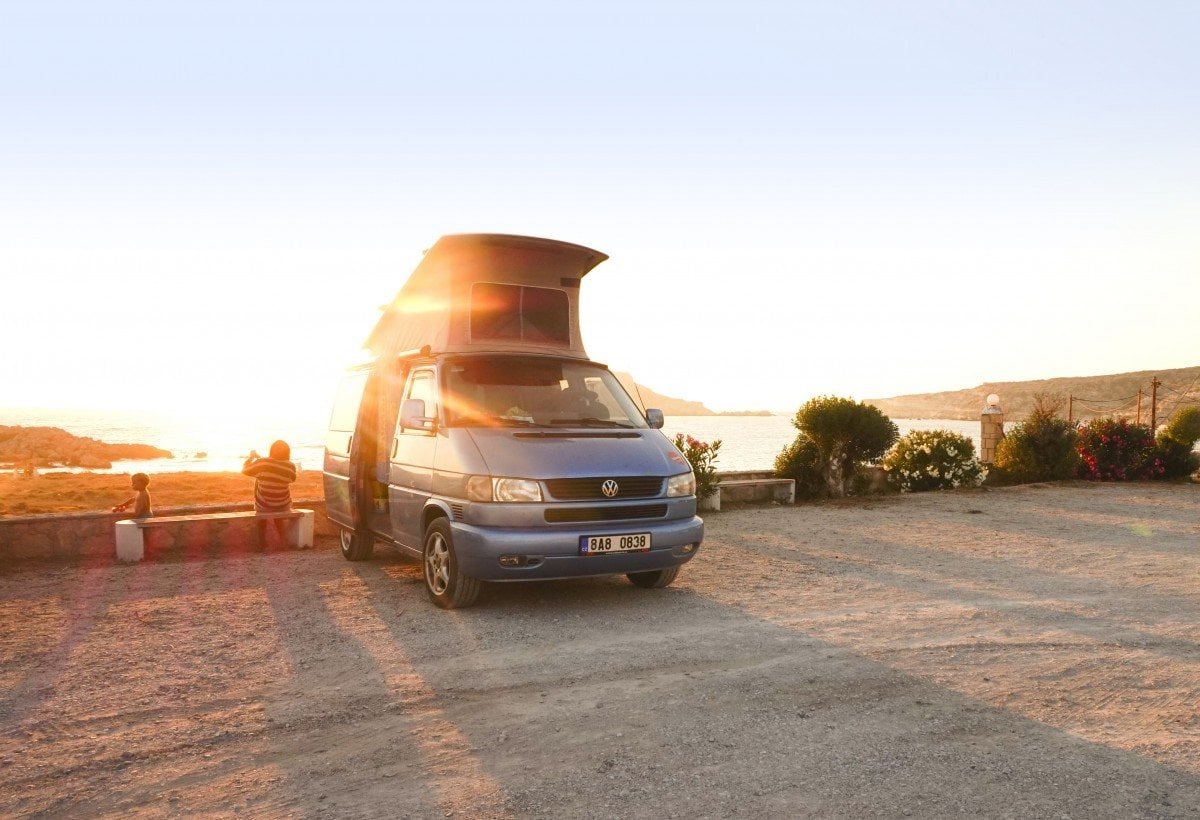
(487, 488)
(516, 489)
(682, 484)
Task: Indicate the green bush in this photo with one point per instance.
(836, 435)
(1174, 445)
(932, 460)
(798, 461)
(1112, 449)
(702, 455)
(1185, 426)
(1176, 457)
(1039, 448)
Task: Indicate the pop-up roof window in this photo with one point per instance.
(519, 313)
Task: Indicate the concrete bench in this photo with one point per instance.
(781, 490)
(750, 486)
(131, 533)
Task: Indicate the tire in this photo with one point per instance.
(654, 579)
(445, 583)
(356, 546)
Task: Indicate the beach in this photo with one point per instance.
(1025, 651)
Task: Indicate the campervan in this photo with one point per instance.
(481, 440)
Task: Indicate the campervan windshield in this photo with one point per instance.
(525, 391)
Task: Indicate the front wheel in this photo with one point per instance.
(654, 579)
(355, 545)
(445, 583)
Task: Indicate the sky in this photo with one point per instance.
(203, 205)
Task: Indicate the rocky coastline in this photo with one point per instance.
(40, 447)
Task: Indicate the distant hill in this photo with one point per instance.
(669, 405)
(1094, 396)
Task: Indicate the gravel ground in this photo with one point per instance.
(1020, 652)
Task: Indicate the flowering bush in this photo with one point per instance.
(702, 455)
(933, 460)
(1178, 459)
(1114, 450)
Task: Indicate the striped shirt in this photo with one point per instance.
(271, 479)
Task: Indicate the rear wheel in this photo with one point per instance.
(445, 583)
(654, 579)
(356, 546)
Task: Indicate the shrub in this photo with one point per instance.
(1114, 450)
(798, 461)
(1040, 448)
(1174, 444)
(842, 433)
(932, 460)
(1177, 458)
(702, 455)
(1184, 427)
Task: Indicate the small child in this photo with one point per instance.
(141, 501)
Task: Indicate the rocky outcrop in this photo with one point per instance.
(54, 447)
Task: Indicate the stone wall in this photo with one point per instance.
(90, 537)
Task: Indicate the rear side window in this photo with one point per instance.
(518, 313)
(345, 403)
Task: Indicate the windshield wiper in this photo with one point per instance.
(508, 421)
(590, 422)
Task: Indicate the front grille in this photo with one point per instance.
(607, 513)
(590, 489)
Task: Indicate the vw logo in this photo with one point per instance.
(609, 488)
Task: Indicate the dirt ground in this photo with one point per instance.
(1022, 652)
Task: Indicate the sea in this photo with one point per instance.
(203, 444)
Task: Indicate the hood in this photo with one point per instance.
(542, 454)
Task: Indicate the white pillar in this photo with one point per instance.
(130, 544)
(304, 529)
(991, 429)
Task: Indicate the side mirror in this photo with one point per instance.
(654, 418)
(412, 415)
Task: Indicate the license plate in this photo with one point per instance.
(605, 544)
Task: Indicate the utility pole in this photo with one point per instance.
(1070, 408)
(1139, 410)
(1154, 383)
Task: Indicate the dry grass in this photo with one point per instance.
(92, 492)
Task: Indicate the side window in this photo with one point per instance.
(423, 386)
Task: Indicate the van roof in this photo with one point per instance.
(434, 306)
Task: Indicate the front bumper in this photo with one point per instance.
(554, 553)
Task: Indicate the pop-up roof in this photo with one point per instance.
(490, 292)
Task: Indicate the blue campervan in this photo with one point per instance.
(481, 440)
